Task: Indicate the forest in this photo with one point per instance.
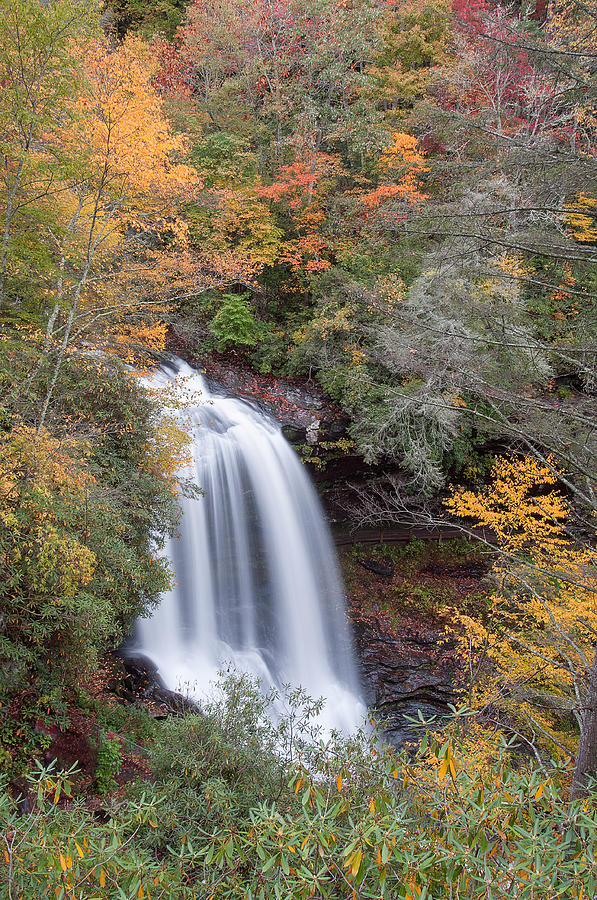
(392, 204)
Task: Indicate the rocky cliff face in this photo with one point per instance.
(404, 675)
(400, 600)
(300, 405)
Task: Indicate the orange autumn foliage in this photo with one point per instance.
(128, 210)
(403, 154)
(581, 218)
(404, 164)
(305, 186)
(126, 197)
(123, 126)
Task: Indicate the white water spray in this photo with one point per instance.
(257, 583)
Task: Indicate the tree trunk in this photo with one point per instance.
(8, 214)
(586, 758)
(63, 346)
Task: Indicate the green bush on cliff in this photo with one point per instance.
(234, 324)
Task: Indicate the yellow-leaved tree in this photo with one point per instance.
(126, 198)
(533, 652)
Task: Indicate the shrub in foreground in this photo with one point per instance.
(247, 809)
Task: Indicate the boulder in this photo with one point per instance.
(143, 686)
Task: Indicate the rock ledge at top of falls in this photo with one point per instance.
(301, 407)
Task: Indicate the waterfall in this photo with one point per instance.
(256, 579)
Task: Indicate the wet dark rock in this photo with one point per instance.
(25, 804)
(143, 686)
(476, 569)
(403, 675)
(386, 570)
(21, 792)
(293, 434)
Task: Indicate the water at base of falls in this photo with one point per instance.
(256, 579)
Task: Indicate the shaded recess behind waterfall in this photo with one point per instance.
(256, 577)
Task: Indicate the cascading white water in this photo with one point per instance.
(256, 578)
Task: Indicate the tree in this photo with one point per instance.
(288, 83)
(538, 635)
(40, 74)
(416, 43)
(146, 17)
(493, 341)
(82, 515)
(128, 189)
(234, 323)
